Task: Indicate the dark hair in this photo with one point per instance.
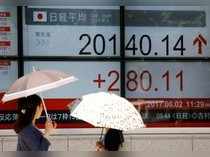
(113, 140)
(26, 111)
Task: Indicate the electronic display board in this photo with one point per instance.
(166, 60)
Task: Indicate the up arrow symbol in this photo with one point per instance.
(200, 40)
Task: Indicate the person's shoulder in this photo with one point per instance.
(30, 130)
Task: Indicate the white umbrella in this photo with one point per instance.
(36, 82)
(107, 110)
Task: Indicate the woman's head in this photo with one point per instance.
(113, 140)
(29, 109)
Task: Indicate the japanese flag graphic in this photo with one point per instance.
(40, 16)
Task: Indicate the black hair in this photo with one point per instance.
(113, 140)
(26, 111)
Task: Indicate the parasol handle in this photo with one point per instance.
(45, 109)
(100, 138)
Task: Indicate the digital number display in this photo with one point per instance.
(167, 80)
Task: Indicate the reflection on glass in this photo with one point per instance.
(8, 74)
(163, 18)
(8, 31)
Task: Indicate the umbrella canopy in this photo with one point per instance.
(107, 110)
(36, 82)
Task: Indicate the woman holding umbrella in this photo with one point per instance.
(30, 138)
(30, 106)
(108, 110)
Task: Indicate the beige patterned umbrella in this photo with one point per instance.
(107, 110)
